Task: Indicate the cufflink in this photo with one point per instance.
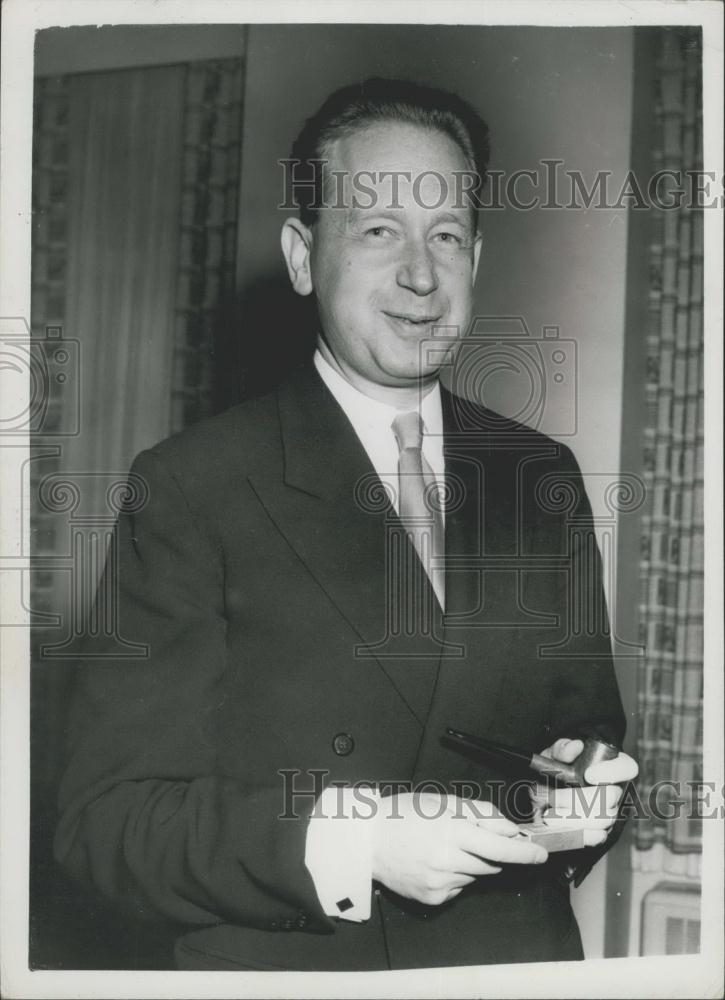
(344, 904)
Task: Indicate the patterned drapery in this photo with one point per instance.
(48, 300)
(135, 180)
(214, 93)
(671, 605)
(135, 185)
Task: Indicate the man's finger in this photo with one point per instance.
(483, 814)
(460, 880)
(567, 821)
(609, 772)
(478, 811)
(564, 750)
(467, 864)
(595, 800)
(452, 860)
(507, 850)
(578, 808)
(593, 838)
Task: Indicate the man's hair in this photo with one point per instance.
(379, 100)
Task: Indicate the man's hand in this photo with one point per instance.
(427, 847)
(594, 808)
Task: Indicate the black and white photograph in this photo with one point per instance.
(361, 537)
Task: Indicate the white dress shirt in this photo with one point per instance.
(338, 851)
(372, 422)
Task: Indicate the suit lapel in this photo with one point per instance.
(486, 547)
(464, 514)
(480, 530)
(334, 512)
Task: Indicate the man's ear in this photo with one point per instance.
(296, 240)
(477, 244)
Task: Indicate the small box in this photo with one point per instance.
(551, 838)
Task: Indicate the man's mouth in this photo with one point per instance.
(412, 319)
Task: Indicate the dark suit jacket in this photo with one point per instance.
(255, 575)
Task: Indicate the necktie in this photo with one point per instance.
(418, 508)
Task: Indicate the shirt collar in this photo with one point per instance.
(365, 411)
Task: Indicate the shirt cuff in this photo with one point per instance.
(338, 851)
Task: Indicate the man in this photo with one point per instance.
(306, 631)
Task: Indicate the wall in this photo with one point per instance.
(546, 93)
(84, 49)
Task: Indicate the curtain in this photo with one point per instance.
(135, 197)
(208, 231)
(671, 606)
(107, 185)
(48, 308)
(135, 179)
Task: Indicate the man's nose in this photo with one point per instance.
(416, 270)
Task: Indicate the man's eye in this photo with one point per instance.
(378, 232)
(448, 238)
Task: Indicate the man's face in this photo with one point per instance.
(392, 266)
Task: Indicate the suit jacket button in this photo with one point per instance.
(343, 744)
